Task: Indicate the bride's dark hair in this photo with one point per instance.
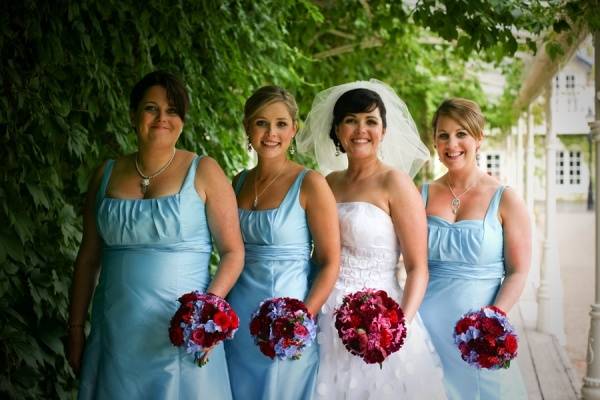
(352, 102)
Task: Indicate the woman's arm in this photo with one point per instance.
(223, 222)
(517, 249)
(85, 275)
(321, 213)
(410, 223)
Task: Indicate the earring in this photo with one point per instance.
(380, 152)
(292, 148)
(249, 145)
(337, 149)
(477, 157)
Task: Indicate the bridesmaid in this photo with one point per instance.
(479, 250)
(285, 211)
(149, 224)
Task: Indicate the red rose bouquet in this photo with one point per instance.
(371, 325)
(486, 339)
(202, 321)
(282, 327)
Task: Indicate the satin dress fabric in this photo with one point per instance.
(466, 268)
(278, 246)
(369, 259)
(153, 251)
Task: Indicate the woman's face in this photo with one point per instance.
(361, 133)
(157, 122)
(271, 130)
(456, 148)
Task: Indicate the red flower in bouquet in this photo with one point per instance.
(282, 327)
(486, 339)
(202, 320)
(371, 325)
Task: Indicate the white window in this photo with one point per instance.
(557, 80)
(568, 167)
(492, 164)
(560, 167)
(570, 84)
(575, 167)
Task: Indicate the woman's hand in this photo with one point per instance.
(75, 347)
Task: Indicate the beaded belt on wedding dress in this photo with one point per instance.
(370, 267)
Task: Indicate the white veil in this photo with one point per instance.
(401, 146)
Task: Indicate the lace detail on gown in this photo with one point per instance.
(369, 258)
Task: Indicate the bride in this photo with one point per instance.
(356, 129)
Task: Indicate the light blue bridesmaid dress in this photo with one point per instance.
(278, 248)
(466, 268)
(154, 250)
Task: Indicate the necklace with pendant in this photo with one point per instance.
(146, 178)
(257, 195)
(455, 203)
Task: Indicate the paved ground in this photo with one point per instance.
(575, 235)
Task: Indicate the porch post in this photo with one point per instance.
(529, 165)
(591, 381)
(550, 304)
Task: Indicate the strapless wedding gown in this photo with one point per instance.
(369, 258)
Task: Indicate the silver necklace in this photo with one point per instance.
(455, 203)
(146, 178)
(257, 195)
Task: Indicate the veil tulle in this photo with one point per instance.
(401, 146)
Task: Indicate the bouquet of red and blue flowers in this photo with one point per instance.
(282, 327)
(486, 339)
(371, 325)
(202, 321)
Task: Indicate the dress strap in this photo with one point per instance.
(101, 193)
(240, 181)
(425, 193)
(293, 193)
(105, 178)
(492, 211)
(190, 176)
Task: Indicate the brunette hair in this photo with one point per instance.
(355, 101)
(177, 95)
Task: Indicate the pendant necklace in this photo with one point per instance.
(146, 178)
(455, 203)
(257, 195)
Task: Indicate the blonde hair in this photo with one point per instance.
(265, 96)
(465, 112)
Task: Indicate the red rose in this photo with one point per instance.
(511, 344)
(233, 319)
(492, 326)
(282, 328)
(463, 325)
(300, 330)
(393, 317)
(355, 321)
(176, 335)
(488, 361)
(188, 297)
(254, 326)
(385, 338)
(207, 312)
(222, 320)
(198, 337)
(267, 349)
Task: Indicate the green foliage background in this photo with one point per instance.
(66, 70)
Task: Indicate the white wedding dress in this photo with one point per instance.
(369, 258)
